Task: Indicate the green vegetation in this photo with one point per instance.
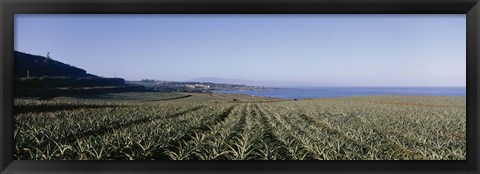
(202, 126)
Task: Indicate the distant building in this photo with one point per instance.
(202, 86)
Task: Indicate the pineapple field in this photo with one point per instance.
(205, 126)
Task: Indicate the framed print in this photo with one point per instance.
(313, 86)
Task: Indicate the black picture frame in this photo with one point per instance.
(9, 8)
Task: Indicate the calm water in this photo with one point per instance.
(327, 92)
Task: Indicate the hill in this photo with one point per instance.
(27, 65)
(269, 83)
(32, 71)
(38, 76)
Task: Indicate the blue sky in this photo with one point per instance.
(318, 50)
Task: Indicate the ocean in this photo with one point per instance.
(332, 92)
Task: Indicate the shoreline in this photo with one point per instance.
(339, 92)
(235, 98)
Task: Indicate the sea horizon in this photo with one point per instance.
(347, 91)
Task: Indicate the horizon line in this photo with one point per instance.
(292, 86)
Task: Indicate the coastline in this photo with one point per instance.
(335, 92)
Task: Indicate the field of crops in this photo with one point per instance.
(201, 126)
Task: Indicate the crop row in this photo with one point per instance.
(355, 128)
